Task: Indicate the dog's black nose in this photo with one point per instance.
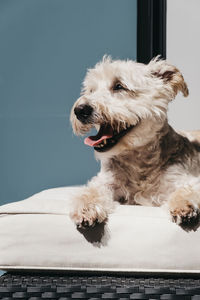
(83, 112)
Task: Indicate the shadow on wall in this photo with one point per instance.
(47, 47)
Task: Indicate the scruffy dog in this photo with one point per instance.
(143, 160)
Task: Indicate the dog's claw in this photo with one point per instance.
(86, 224)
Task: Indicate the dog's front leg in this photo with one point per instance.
(93, 204)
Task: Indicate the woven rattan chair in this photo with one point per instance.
(98, 286)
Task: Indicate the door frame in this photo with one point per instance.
(151, 29)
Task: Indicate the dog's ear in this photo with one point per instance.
(169, 74)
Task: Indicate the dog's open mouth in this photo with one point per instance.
(106, 138)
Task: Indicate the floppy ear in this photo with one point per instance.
(170, 75)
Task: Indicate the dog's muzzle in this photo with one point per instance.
(83, 112)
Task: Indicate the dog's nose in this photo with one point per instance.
(83, 112)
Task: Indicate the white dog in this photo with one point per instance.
(143, 160)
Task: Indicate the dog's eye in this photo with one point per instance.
(118, 87)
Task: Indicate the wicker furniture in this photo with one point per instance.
(37, 234)
(35, 286)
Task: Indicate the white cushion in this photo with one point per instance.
(37, 233)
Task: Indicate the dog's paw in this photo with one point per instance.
(183, 207)
(183, 211)
(185, 215)
(88, 214)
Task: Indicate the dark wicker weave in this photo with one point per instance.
(78, 286)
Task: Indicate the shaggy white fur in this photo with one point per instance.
(143, 160)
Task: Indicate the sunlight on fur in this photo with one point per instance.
(143, 160)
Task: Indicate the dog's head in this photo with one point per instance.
(126, 102)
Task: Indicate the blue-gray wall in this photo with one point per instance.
(45, 48)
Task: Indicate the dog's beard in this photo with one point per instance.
(107, 137)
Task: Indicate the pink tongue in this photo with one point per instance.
(88, 140)
(104, 133)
